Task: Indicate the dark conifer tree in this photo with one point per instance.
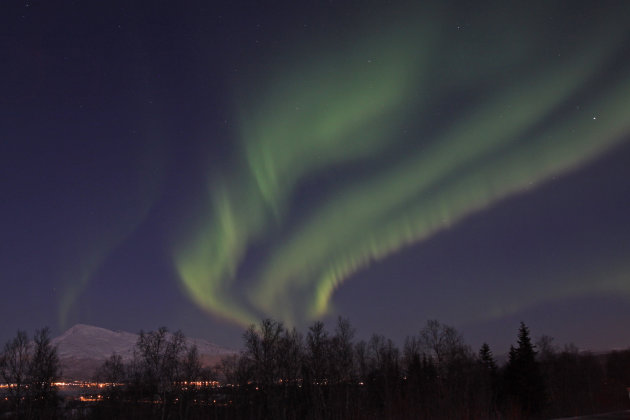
(487, 388)
(486, 359)
(524, 381)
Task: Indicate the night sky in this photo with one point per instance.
(203, 166)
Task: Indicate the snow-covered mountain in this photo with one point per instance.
(89, 342)
(83, 348)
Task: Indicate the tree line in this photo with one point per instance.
(29, 370)
(282, 373)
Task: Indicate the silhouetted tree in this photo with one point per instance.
(234, 370)
(618, 375)
(30, 370)
(442, 343)
(191, 369)
(114, 373)
(291, 356)
(447, 353)
(317, 347)
(262, 349)
(341, 353)
(45, 369)
(546, 351)
(573, 380)
(262, 352)
(14, 368)
(157, 362)
(112, 370)
(341, 373)
(316, 369)
(384, 375)
(412, 370)
(189, 372)
(524, 381)
(487, 389)
(486, 359)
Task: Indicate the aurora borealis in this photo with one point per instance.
(298, 162)
(348, 109)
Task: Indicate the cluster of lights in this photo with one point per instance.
(98, 398)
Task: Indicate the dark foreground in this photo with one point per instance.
(282, 374)
(618, 415)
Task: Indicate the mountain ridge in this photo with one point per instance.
(83, 348)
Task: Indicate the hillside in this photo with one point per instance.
(83, 348)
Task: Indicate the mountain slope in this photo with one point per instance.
(83, 348)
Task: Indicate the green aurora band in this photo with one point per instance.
(111, 228)
(341, 109)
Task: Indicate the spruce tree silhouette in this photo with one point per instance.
(524, 381)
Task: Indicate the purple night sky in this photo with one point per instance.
(203, 166)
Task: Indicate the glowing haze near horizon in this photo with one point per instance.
(368, 101)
